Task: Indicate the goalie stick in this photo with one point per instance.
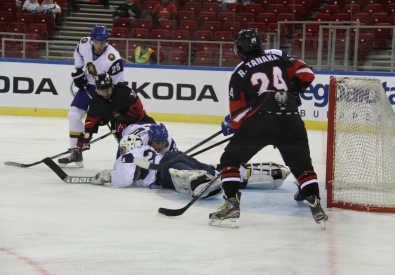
(61, 174)
(10, 163)
(179, 212)
(151, 166)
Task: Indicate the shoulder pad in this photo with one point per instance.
(84, 40)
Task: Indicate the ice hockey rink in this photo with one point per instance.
(51, 227)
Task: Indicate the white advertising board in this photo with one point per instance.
(173, 94)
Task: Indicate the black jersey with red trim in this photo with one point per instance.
(255, 82)
(123, 107)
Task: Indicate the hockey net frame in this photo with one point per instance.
(360, 170)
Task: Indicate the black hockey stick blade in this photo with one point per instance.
(62, 174)
(179, 212)
(152, 166)
(10, 163)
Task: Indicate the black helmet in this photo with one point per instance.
(247, 40)
(103, 81)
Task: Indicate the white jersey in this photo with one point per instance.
(108, 62)
(141, 130)
(51, 7)
(126, 173)
(31, 6)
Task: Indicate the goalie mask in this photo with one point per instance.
(246, 41)
(129, 142)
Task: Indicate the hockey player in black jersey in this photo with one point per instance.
(117, 104)
(264, 98)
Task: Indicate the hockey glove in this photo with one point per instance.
(83, 141)
(226, 126)
(80, 79)
(102, 178)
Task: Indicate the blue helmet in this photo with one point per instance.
(99, 33)
(157, 133)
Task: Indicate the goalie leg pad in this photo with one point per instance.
(102, 178)
(191, 182)
(266, 176)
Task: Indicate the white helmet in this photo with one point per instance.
(129, 142)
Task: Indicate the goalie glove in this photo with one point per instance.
(80, 79)
(102, 178)
(83, 141)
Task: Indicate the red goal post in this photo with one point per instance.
(360, 171)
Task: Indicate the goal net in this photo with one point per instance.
(361, 146)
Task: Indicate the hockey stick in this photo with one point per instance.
(61, 174)
(151, 166)
(209, 147)
(179, 212)
(10, 163)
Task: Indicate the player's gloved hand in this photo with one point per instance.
(83, 141)
(226, 126)
(80, 79)
(102, 178)
(119, 127)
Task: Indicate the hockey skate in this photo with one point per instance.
(228, 214)
(318, 213)
(74, 160)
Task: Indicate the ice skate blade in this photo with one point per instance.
(230, 223)
(72, 165)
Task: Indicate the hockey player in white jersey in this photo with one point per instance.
(155, 135)
(106, 59)
(186, 175)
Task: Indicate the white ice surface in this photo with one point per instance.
(53, 228)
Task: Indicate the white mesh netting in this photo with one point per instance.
(364, 144)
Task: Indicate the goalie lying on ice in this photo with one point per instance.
(186, 175)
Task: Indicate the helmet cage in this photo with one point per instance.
(129, 142)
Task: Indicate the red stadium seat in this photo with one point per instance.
(189, 25)
(260, 26)
(212, 26)
(287, 17)
(119, 32)
(254, 8)
(214, 7)
(185, 15)
(161, 34)
(225, 16)
(378, 17)
(176, 57)
(6, 17)
(169, 25)
(322, 17)
(233, 26)
(228, 59)
(366, 43)
(124, 23)
(372, 8)
(362, 17)
(235, 7)
(16, 27)
(196, 7)
(266, 18)
(24, 17)
(205, 16)
(330, 8)
(180, 35)
(276, 9)
(143, 23)
(297, 10)
(40, 29)
(382, 36)
(202, 58)
(340, 17)
(203, 36)
(244, 18)
(47, 19)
